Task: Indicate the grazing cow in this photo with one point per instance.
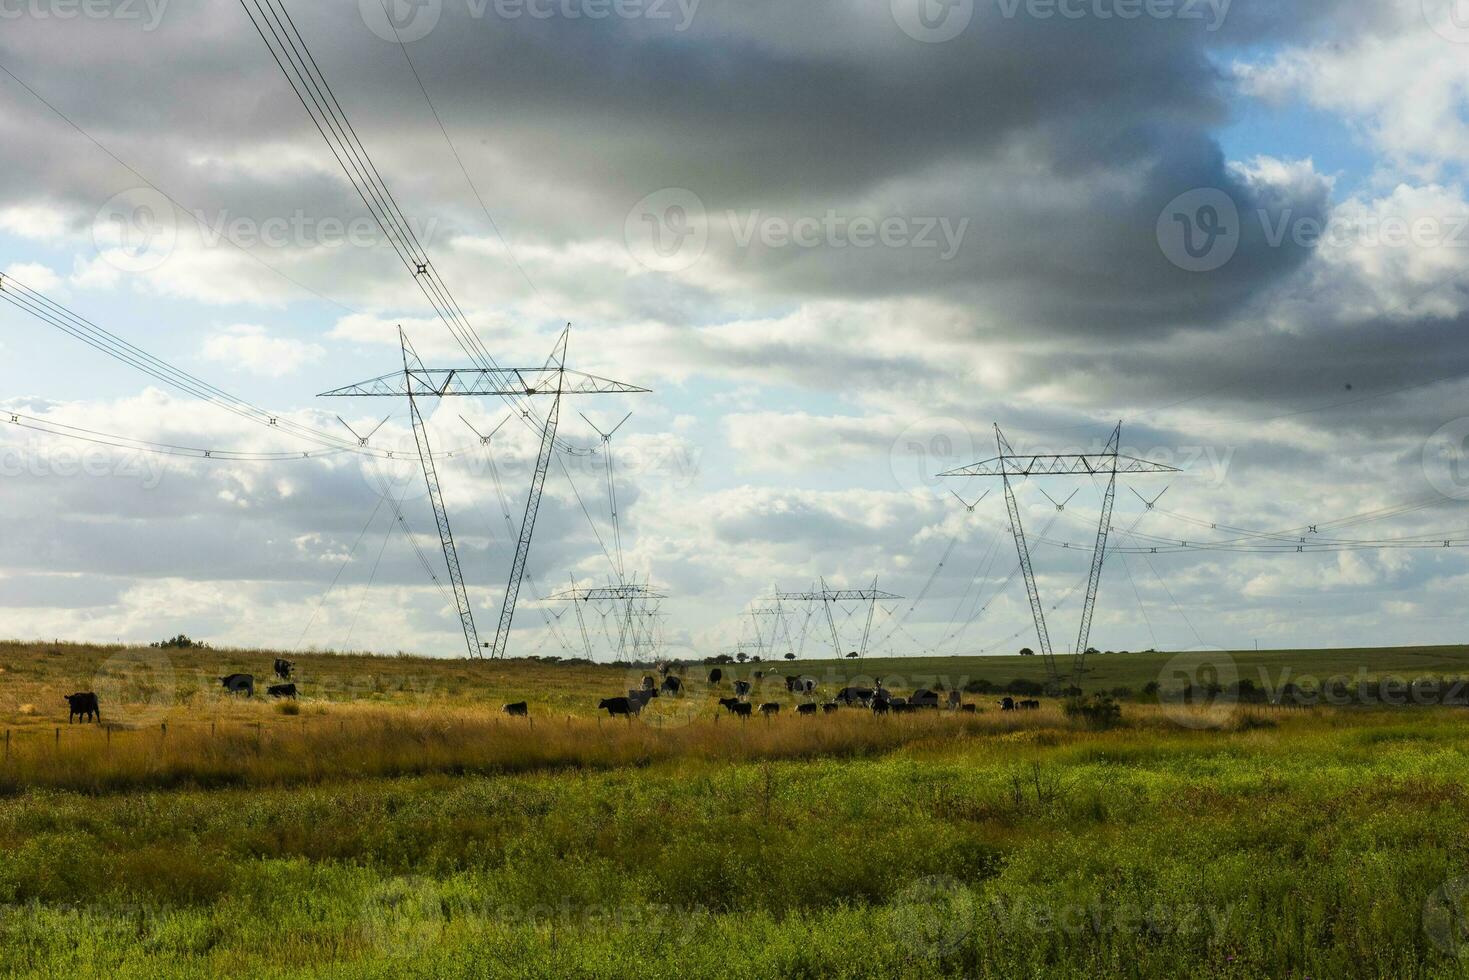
(671, 685)
(517, 710)
(806, 709)
(82, 705)
(898, 702)
(235, 683)
(742, 689)
(716, 676)
(1030, 705)
(742, 709)
(1006, 704)
(730, 704)
(770, 708)
(955, 698)
(639, 699)
(806, 686)
(853, 695)
(283, 668)
(619, 706)
(924, 698)
(759, 674)
(830, 706)
(649, 684)
(969, 708)
(881, 706)
(902, 707)
(281, 690)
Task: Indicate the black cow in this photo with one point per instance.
(770, 708)
(742, 709)
(730, 704)
(1006, 704)
(854, 695)
(790, 683)
(716, 676)
(955, 699)
(671, 685)
(83, 705)
(1030, 705)
(639, 699)
(619, 706)
(281, 690)
(235, 683)
(806, 709)
(649, 684)
(830, 706)
(517, 710)
(742, 689)
(971, 709)
(924, 698)
(881, 706)
(283, 668)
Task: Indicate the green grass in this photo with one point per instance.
(383, 841)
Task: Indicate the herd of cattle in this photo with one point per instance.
(85, 705)
(876, 699)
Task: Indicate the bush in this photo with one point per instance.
(1098, 711)
(181, 642)
(288, 707)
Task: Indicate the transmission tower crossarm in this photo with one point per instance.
(441, 515)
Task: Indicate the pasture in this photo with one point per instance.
(394, 822)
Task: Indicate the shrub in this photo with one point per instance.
(1098, 711)
(288, 707)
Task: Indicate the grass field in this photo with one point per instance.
(397, 825)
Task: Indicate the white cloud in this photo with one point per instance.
(34, 275)
(251, 348)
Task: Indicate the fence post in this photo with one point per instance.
(7, 743)
(58, 738)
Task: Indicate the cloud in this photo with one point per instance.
(250, 348)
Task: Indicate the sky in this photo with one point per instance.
(838, 241)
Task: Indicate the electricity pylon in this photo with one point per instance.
(635, 599)
(828, 597)
(553, 379)
(1109, 463)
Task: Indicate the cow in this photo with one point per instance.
(955, 699)
(742, 709)
(235, 683)
(924, 698)
(742, 689)
(281, 690)
(806, 709)
(649, 684)
(1030, 705)
(517, 710)
(639, 699)
(829, 707)
(716, 676)
(730, 704)
(968, 708)
(671, 685)
(770, 708)
(898, 702)
(618, 706)
(759, 674)
(902, 706)
(1006, 704)
(283, 668)
(881, 706)
(790, 683)
(82, 705)
(854, 695)
(806, 686)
